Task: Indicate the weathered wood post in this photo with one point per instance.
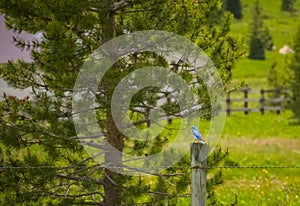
(246, 90)
(278, 96)
(198, 173)
(262, 101)
(228, 103)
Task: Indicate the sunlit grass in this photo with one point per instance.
(255, 125)
(282, 27)
(267, 189)
(255, 139)
(261, 140)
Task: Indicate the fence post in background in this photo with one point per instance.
(262, 101)
(277, 96)
(228, 103)
(198, 173)
(246, 100)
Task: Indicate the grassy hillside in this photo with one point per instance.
(282, 26)
(269, 140)
(255, 139)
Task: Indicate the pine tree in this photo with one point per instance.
(260, 39)
(39, 130)
(288, 5)
(235, 7)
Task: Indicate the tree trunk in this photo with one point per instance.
(112, 190)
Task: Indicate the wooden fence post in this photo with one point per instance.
(278, 96)
(262, 101)
(246, 100)
(228, 103)
(277, 101)
(198, 173)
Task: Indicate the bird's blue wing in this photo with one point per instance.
(196, 133)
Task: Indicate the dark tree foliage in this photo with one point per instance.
(235, 7)
(37, 134)
(288, 5)
(256, 48)
(260, 38)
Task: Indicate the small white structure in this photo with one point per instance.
(286, 50)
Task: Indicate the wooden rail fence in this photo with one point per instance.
(264, 102)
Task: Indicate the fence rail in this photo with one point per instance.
(266, 99)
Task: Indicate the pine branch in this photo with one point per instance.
(135, 11)
(94, 136)
(71, 177)
(79, 195)
(95, 203)
(92, 144)
(120, 5)
(93, 9)
(167, 194)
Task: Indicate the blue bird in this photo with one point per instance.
(197, 135)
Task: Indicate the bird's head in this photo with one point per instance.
(193, 127)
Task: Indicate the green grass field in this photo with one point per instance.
(264, 140)
(283, 27)
(268, 140)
